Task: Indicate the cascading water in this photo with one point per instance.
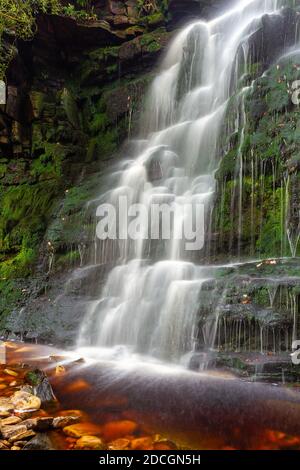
(152, 296)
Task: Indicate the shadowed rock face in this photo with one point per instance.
(187, 10)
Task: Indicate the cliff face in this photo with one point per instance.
(257, 201)
(74, 95)
(71, 92)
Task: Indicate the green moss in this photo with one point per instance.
(227, 165)
(99, 123)
(155, 19)
(25, 210)
(151, 42)
(67, 260)
(10, 296)
(71, 108)
(20, 265)
(112, 69)
(273, 231)
(261, 297)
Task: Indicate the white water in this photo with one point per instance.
(150, 306)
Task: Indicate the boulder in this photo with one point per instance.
(41, 386)
(22, 436)
(12, 430)
(10, 420)
(89, 443)
(23, 401)
(39, 442)
(81, 429)
(119, 444)
(61, 422)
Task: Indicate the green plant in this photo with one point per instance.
(80, 15)
(18, 17)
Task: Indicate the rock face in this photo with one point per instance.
(74, 93)
(258, 215)
(41, 386)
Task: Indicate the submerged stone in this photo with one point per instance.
(89, 443)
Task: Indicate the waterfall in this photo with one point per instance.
(151, 298)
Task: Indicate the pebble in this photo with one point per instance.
(12, 430)
(15, 448)
(22, 436)
(3, 446)
(6, 443)
(10, 372)
(164, 444)
(81, 429)
(89, 443)
(119, 444)
(59, 370)
(10, 420)
(24, 401)
(63, 421)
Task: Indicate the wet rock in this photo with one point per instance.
(77, 413)
(81, 429)
(116, 429)
(24, 401)
(6, 407)
(164, 444)
(117, 8)
(5, 442)
(39, 442)
(27, 389)
(20, 443)
(89, 443)
(119, 444)
(12, 430)
(59, 370)
(22, 436)
(10, 372)
(142, 443)
(10, 420)
(3, 446)
(61, 422)
(41, 386)
(38, 424)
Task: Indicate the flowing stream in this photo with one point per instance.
(150, 302)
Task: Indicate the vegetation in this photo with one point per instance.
(17, 17)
